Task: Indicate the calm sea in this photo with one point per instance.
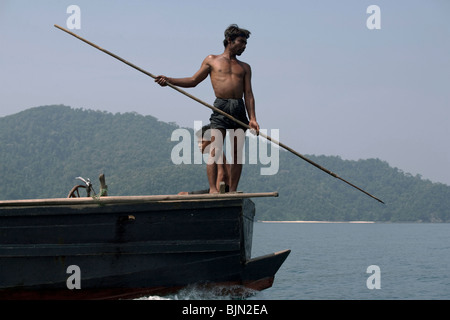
(330, 261)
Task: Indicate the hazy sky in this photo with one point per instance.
(330, 84)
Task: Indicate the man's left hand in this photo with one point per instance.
(254, 127)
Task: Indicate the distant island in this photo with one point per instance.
(43, 149)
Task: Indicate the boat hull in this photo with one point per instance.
(113, 249)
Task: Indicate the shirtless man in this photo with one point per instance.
(231, 81)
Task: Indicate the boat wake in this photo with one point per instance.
(202, 292)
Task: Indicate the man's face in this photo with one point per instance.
(239, 45)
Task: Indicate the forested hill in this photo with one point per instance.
(43, 149)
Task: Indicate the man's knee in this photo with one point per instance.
(216, 147)
(237, 139)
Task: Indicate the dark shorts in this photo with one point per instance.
(235, 108)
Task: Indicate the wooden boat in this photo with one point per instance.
(131, 246)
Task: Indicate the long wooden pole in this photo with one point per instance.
(132, 199)
(219, 111)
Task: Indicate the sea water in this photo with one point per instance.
(331, 261)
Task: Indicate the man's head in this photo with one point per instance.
(233, 32)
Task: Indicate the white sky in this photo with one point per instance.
(320, 76)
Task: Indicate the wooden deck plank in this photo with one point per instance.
(133, 199)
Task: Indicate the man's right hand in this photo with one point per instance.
(162, 80)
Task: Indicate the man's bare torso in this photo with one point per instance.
(227, 76)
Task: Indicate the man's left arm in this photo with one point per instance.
(250, 99)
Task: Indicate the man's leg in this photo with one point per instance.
(225, 174)
(214, 168)
(237, 139)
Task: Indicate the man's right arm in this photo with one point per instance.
(188, 82)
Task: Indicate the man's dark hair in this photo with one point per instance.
(233, 31)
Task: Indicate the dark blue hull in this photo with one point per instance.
(126, 247)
